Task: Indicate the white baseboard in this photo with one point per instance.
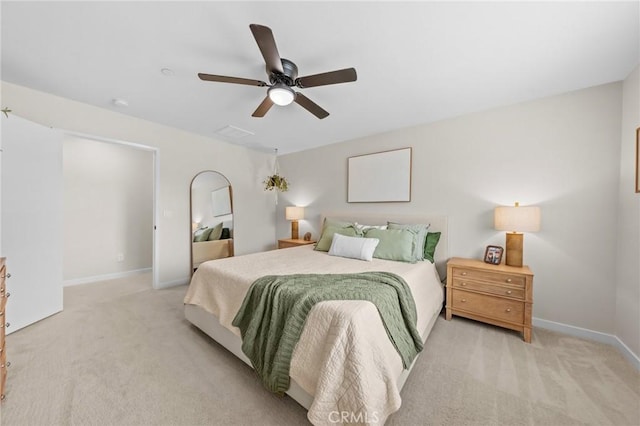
(87, 280)
(585, 333)
(174, 283)
(628, 353)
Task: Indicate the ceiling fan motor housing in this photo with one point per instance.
(289, 76)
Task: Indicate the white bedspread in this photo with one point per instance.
(344, 357)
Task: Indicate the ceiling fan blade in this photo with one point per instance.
(310, 106)
(263, 108)
(267, 45)
(334, 77)
(236, 80)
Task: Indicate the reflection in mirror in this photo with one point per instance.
(211, 218)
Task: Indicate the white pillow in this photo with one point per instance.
(362, 227)
(353, 247)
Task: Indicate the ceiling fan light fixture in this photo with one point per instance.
(281, 94)
(283, 78)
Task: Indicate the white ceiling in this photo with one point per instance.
(417, 62)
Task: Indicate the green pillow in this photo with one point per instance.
(395, 244)
(225, 234)
(430, 245)
(202, 235)
(420, 231)
(324, 244)
(336, 223)
(216, 232)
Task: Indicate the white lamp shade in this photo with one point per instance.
(517, 219)
(294, 213)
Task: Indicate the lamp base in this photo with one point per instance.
(515, 243)
(294, 230)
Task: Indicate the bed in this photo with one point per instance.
(344, 361)
(210, 250)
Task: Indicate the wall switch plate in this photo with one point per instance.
(120, 257)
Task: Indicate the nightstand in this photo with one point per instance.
(291, 242)
(495, 294)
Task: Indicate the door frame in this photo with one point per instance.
(156, 191)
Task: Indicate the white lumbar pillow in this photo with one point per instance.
(353, 247)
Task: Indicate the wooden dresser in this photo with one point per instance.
(495, 294)
(3, 302)
(292, 242)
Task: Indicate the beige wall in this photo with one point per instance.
(627, 319)
(561, 153)
(108, 208)
(181, 155)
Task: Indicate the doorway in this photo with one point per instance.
(110, 209)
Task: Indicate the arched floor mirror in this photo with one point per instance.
(211, 218)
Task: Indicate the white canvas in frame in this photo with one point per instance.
(380, 177)
(221, 201)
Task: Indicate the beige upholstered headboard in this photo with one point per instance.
(438, 223)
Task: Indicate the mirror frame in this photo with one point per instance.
(231, 248)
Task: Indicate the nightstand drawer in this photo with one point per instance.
(465, 284)
(495, 277)
(480, 304)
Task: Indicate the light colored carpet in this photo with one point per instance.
(123, 354)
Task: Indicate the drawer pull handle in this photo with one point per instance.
(508, 310)
(463, 300)
(463, 274)
(464, 284)
(8, 325)
(508, 280)
(1, 313)
(2, 397)
(508, 291)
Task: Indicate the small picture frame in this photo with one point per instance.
(493, 255)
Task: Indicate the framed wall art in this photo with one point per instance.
(380, 177)
(221, 201)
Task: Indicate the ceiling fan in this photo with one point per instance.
(283, 75)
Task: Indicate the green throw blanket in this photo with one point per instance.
(275, 309)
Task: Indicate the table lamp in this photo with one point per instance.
(294, 214)
(516, 219)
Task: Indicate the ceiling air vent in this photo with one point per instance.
(232, 132)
